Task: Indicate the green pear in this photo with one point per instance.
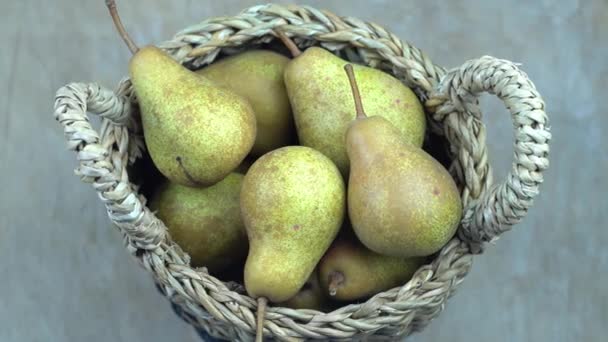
(321, 102)
(310, 296)
(292, 204)
(205, 222)
(401, 201)
(349, 271)
(257, 75)
(195, 131)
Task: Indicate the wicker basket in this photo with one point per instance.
(451, 101)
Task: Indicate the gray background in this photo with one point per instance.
(66, 277)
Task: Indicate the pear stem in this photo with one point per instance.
(335, 281)
(355, 89)
(120, 27)
(259, 333)
(291, 46)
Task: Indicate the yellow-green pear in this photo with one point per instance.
(322, 107)
(292, 204)
(205, 222)
(257, 75)
(349, 271)
(196, 132)
(310, 296)
(401, 201)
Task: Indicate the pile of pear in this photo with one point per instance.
(305, 174)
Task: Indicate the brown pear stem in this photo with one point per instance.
(259, 333)
(335, 281)
(291, 46)
(120, 27)
(355, 89)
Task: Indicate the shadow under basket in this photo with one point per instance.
(450, 98)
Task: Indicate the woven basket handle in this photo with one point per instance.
(492, 210)
(103, 156)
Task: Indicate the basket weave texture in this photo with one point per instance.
(451, 101)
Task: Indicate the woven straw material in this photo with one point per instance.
(451, 99)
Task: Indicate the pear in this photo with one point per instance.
(321, 101)
(310, 296)
(195, 131)
(205, 222)
(292, 204)
(257, 75)
(401, 201)
(349, 271)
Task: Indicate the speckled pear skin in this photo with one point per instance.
(321, 101)
(401, 201)
(257, 75)
(195, 131)
(310, 296)
(205, 222)
(292, 204)
(365, 272)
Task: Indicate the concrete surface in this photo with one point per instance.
(65, 276)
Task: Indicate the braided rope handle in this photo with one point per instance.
(103, 156)
(492, 210)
